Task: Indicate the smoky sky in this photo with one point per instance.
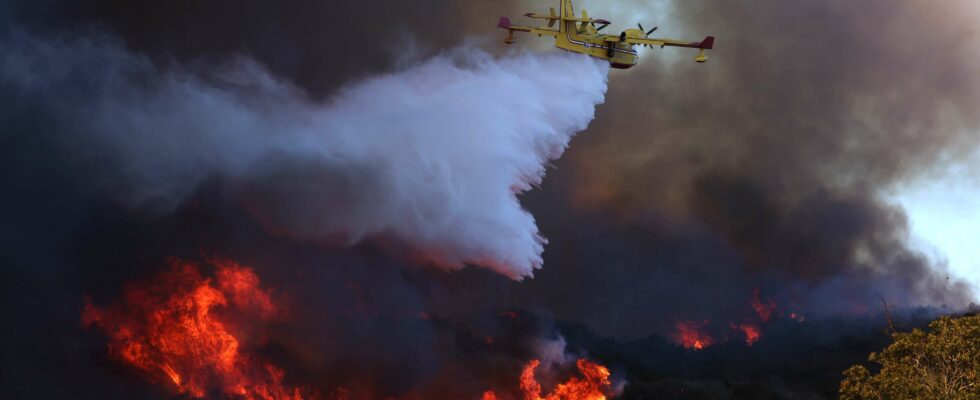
(320, 45)
(781, 145)
(694, 184)
(764, 167)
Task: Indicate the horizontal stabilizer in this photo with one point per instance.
(551, 18)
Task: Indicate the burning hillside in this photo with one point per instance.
(592, 384)
(183, 330)
(698, 335)
(195, 334)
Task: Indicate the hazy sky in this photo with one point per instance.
(944, 216)
(944, 208)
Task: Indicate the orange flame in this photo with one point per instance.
(167, 328)
(690, 336)
(489, 395)
(593, 384)
(765, 309)
(752, 333)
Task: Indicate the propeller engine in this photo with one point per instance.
(637, 33)
(640, 33)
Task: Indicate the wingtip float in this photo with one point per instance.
(582, 35)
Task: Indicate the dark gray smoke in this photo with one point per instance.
(770, 164)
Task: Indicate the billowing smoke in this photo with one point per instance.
(767, 166)
(431, 158)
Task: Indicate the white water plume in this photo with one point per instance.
(432, 157)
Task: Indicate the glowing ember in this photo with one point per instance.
(169, 329)
(593, 384)
(689, 334)
(765, 309)
(752, 333)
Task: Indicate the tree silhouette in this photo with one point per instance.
(943, 363)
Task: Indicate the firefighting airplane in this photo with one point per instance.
(582, 36)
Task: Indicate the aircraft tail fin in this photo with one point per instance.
(707, 43)
(504, 23)
(566, 12)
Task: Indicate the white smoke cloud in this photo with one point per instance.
(431, 158)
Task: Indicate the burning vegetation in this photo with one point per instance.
(691, 335)
(187, 330)
(763, 308)
(694, 335)
(751, 332)
(178, 330)
(593, 384)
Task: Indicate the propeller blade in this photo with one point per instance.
(601, 28)
(641, 26)
(652, 30)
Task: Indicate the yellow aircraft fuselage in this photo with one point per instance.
(581, 36)
(620, 55)
(589, 41)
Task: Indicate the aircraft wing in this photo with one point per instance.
(708, 42)
(505, 24)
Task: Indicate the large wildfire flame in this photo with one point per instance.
(593, 385)
(174, 330)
